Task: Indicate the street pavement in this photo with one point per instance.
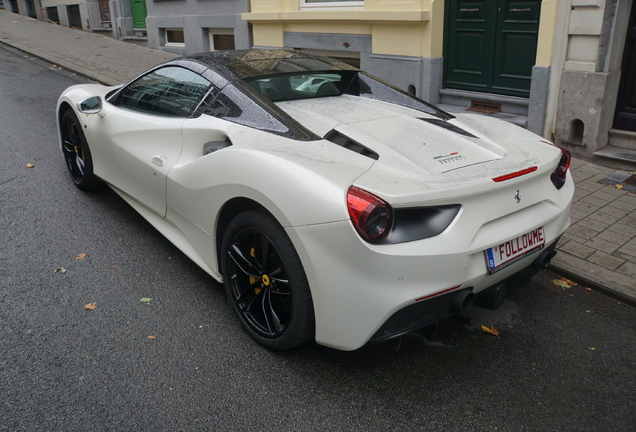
(598, 250)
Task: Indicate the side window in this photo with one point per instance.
(217, 104)
(170, 91)
(232, 105)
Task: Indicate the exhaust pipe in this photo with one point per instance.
(463, 300)
(543, 260)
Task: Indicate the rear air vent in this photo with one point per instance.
(448, 126)
(337, 138)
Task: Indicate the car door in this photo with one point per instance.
(138, 134)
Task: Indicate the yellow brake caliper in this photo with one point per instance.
(253, 279)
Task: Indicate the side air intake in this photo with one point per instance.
(337, 138)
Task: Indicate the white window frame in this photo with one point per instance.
(219, 31)
(332, 4)
(173, 44)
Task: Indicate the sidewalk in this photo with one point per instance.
(95, 56)
(598, 250)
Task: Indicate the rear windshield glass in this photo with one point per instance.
(294, 86)
(302, 86)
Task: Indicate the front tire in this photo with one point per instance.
(76, 152)
(266, 283)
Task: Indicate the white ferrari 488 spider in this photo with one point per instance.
(332, 205)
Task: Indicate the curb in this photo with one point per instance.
(606, 288)
(70, 67)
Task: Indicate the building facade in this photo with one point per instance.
(552, 66)
(565, 69)
(191, 26)
(595, 106)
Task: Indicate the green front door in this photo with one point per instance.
(491, 45)
(139, 13)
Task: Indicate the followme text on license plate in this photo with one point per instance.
(501, 256)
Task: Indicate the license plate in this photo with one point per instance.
(507, 253)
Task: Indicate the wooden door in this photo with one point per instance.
(139, 13)
(104, 10)
(491, 45)
(625, 117)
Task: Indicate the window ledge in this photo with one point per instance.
(341, 15)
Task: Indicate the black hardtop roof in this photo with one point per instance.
(242, 64)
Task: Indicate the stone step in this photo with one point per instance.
(622, 139)
(617, 157)
(463, 98)
(517, 119)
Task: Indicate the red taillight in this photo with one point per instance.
(515, 174)
(560, 172)
(371, 216)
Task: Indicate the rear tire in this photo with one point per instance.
(266, 283)
(76, 152)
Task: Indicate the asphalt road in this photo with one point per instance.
(566, 359)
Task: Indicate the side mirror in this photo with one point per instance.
(92, 105)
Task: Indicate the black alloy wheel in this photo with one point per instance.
(266, 283)
(76, 152)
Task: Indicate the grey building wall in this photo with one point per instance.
(538, 103)
(91, 16)
(196, 18)
(587, 99)
(121, 18)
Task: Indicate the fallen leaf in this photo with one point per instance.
(570, 282)
(563, 283)
(152, 337)
(30, 165)
(619, 186)
(591, 349)
(146, 300)
(60, 270)
(490, 330)
(90, 306)
(170, 388)
(80, 256)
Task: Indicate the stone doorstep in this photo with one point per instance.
(519, 120)
(462, 98)
(617, 157)
(622, 139)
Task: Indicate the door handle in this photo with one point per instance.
(520, 10)
(469, 10)
(157, 160)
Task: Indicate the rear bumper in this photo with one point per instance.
(357, 287)
(430, 311)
